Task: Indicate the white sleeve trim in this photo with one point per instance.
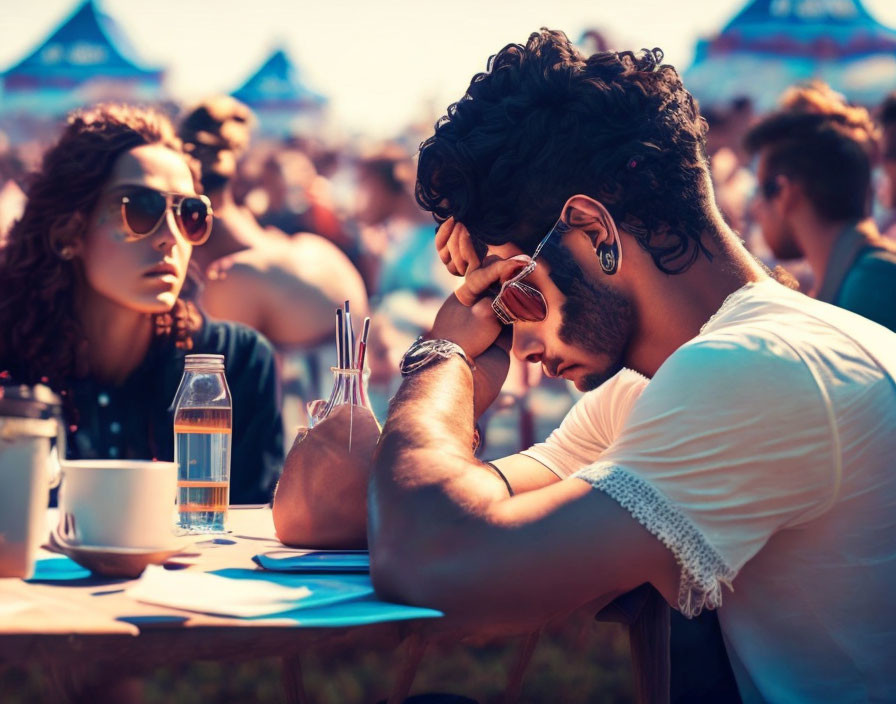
(703, 570)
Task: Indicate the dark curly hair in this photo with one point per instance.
(41, 337)
(544, 122)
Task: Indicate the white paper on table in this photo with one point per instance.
(209, 594)
(243, 593)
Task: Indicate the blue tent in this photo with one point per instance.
(772, 44)
(86, 58)
(279, 96)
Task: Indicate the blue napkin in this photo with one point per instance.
(359, 612)
(315, 561)
(57, 569)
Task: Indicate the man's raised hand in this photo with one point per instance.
(455, 248)
(467, 317)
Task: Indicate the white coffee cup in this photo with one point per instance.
(28, 469)
(118, 503)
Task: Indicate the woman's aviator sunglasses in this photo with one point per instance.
(143, 210)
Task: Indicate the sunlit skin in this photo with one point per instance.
(539, 342)
(770, 215)
(428, 491)
(667, 315)
(125, 283)
(124, 272)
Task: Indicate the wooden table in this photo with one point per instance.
(66, 626)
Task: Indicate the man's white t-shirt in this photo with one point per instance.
(763, 455)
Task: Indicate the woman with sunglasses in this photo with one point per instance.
(92, 298)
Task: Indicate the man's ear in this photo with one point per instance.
(591, 217)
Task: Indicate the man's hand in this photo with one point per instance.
(455, 248)
(467, 317)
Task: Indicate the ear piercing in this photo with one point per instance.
(67, 252)
(608, 256)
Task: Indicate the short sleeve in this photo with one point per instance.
(590, 426)
(729, 443)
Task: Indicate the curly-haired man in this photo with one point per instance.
(752, 472)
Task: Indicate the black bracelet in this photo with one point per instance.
(503, 478)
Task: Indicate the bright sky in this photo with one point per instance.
(380, 62)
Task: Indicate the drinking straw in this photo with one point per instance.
(362, 345)
(349, 347)
(349, 337)
(362, 354)
(339, 338)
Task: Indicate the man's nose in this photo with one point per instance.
(527, 346)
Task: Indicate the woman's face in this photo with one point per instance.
(147, 275)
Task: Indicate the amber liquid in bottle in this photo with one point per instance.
(202, 445)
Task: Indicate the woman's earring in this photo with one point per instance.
(67, 253)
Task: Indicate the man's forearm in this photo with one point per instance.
(433, 409)
(425, 478)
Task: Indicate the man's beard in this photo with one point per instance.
(596, 318)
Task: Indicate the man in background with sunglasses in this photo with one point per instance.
(738, 435)
(814, 164)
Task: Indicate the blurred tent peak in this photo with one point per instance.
(284, 104)
(87, 58)
(772, 44)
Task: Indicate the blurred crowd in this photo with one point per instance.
(301, 225)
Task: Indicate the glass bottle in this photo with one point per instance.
(203, 423)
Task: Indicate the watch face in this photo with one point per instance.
(413, 357)
(424, 352)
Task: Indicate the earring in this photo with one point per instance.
(609, 256)
(67, 253)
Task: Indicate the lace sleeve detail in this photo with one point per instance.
(703, 570)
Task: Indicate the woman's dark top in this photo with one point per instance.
(136, 419)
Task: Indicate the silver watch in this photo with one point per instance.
(424, 352)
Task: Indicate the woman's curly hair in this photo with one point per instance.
(41, 337)
(544, 123)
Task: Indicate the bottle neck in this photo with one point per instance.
(204, 368)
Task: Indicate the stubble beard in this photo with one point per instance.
(600, 320)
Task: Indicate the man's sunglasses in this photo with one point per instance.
(143, 210)
(518, 301)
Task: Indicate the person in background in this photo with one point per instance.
(293, 197)
(286, 288)
(396, 230)
(732, 179)
(887, 118)
(404, 274)
(815, 157)
(91, 299)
